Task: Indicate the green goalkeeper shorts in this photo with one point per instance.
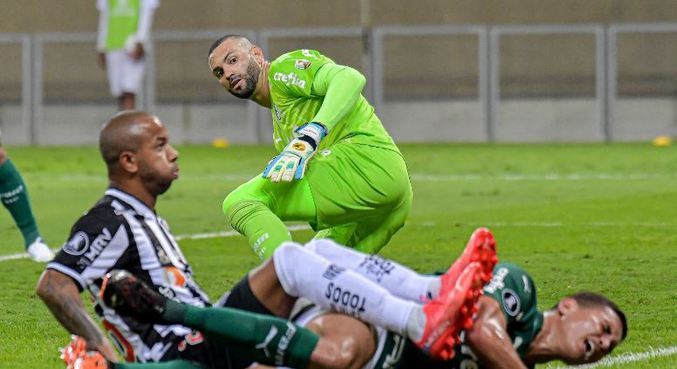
(356, 194)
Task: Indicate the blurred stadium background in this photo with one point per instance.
(439, 70)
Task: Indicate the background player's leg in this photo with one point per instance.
(131, 80)
(257, 209)
(14, 196)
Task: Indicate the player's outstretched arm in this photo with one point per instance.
(341, 87)
(489, 339)
(62, 296)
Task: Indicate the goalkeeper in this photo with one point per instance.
(337, 168)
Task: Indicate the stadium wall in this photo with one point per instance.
(547, 82)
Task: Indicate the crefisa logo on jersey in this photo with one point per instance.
(289, 79)
(302, 64)
(77, 245)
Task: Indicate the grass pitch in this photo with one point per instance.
(577, 217)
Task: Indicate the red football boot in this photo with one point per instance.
(451, 312)
(481, 247)
(70, 353)
(90, 360)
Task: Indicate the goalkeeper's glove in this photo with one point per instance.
(291, 163)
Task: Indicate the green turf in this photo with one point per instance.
(593, 217)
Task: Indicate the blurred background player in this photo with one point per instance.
(337, 169)
(14, 196)
(124, 32)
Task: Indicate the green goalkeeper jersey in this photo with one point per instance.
(300, 93)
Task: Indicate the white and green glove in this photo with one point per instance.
(291, 163)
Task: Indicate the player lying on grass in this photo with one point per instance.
(337, 168)
(122, 231)
(508, 332)
(367, 292)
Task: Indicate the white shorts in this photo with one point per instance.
(124, 73)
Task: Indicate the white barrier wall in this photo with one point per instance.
(570, 120)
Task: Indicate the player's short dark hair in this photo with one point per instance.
(595, 299)
(118, 135)
(220, 40)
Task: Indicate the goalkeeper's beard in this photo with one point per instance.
(251, 79)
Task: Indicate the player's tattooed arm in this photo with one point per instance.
(489, 338)
(61, 295)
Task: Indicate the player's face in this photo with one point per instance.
(590, 333)
(158, 160)
(236, 68)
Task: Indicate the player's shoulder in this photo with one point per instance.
(509, 274)
(513, 288)
(107, 212)
(96, 227)
(299, 60)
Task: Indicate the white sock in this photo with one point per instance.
(303, 273)
(396, 278)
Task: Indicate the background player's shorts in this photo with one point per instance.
(124, 73)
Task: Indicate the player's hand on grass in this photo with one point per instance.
(291, 163)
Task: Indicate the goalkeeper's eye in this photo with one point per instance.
(218, 72)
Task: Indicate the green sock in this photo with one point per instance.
(263, 229)
(14, 196)
(273, 341)
(174, 364)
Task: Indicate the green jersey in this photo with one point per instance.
(515, 292)
(123, 20)
(298, 90)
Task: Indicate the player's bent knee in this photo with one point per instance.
(288, 252)
(229, 201)
(239, 196)
(286, 259)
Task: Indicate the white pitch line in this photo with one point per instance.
(199, 236)
(536, 177)
(561, 224)
(300, 227)
(196, 236)
(626, 358)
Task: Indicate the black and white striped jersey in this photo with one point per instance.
(121, 232)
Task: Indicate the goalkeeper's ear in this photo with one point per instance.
(128, 162)
(258, 55)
